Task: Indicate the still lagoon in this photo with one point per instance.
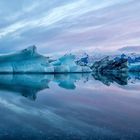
(69, 107)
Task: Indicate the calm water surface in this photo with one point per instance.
(70, 107)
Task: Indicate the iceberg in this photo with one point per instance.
(61, 69)
(30, 61)
(107, 65)
(67, 63)
(27, 60)
(134, 67)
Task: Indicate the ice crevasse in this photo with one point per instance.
(30, 61)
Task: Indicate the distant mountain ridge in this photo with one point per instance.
(130, 49)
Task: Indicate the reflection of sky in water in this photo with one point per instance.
(68, 107)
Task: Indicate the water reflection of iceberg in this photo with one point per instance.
(29, 85)
(108, 78)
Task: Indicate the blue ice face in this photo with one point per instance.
(68, 60)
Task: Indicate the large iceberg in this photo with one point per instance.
(107, 65)
(30, 61)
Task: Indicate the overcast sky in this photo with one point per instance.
(64, 25)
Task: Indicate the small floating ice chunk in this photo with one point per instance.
(134, 66)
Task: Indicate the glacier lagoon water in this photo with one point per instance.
(69, 107)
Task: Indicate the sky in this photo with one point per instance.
(60, 26)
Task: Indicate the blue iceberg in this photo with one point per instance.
(134, 67)
(30, 61)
